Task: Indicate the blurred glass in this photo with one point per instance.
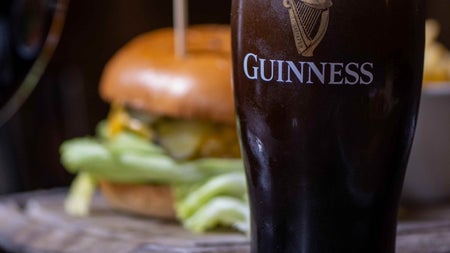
(29, 34)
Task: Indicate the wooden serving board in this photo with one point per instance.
(36, 223)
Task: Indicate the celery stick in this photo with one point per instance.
(160, 168)
(231, 184)
(209, 191)
(131, 143)
(127, 167)
(80, 195)
(138, 165)
(81, 152)
(87, 155)
(225, 211)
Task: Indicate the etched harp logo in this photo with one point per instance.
(309, 20)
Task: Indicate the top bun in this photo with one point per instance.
(145, 74)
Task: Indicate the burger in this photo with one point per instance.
(168, 148)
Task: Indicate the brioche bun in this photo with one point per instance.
(145, 74)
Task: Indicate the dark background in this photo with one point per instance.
(65, 103)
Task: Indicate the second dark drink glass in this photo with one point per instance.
(327, 94)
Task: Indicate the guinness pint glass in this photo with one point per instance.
(327, 93)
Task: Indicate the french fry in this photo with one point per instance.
(437, 57)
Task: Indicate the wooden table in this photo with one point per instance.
(35, 223)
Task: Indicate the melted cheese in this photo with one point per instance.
(119, 120)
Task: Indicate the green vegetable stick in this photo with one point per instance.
(231, 184)
(80, 195)
(219, 211)
(201, 209)
(81, 152)
(88, 155)
(127, 167)
(131, 143)
(161, 168)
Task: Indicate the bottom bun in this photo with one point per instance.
(148, 200)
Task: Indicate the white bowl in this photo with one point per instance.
(428, 173)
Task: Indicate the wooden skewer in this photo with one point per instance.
(180, 21)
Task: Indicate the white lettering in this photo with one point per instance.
(367, 72)
(352, 73)
(315, 69)
(293, 68)
(280, 71)
(263, 70)
(336, 72)
(254, 76)
(333, 73)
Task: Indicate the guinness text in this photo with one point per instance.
(282, 71)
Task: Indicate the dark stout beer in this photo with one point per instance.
(327, 94)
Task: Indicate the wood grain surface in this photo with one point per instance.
(35, 223)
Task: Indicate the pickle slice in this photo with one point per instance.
(182, 139)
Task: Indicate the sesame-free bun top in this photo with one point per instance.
(145, 74)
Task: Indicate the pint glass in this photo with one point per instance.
(327, 93)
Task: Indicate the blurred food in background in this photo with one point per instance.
(427, 179)
(66, 103)
(437, 56)
(169, 147)
(428, 173)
